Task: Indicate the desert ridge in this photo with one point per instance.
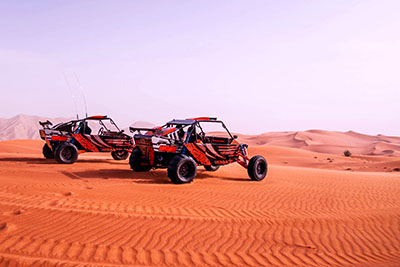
(330, 142)
(313, 209)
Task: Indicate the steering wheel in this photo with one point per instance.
(101, 131)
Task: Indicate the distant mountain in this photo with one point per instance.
(24, 126)
(27, 126)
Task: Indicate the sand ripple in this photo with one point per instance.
(101, 213)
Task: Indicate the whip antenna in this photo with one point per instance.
(83, 94)
(72, 95)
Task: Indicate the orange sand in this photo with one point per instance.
(309, 211)
(329, 142)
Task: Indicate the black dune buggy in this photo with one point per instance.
(66, 140)
(181, 145)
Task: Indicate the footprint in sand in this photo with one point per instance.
(17, 212)
(53, 203)
(64, 194)
(14, 212)
(7, 227)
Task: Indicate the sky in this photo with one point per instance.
(260, 66)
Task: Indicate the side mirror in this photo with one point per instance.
(235, 136)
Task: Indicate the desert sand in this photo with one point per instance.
(331, 142)
(313, 209)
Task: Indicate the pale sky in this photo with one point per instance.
(258, 65)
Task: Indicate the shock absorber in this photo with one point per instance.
(243, 149)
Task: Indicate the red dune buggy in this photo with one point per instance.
(65, 141)
(181, 145)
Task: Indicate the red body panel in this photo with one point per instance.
(198, 153)
(214, 154)
(59, 138)
(87, 145)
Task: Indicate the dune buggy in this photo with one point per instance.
(66, 140)
(181, 145)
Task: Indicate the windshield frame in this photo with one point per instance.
(111, 121)
(212, 121)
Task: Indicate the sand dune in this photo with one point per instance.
(329, 142)
(308, 212)
(21, 146)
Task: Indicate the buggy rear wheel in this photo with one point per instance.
(182, 169)
(47, 152)
(120, 155)
(66, 153)
(211, 168)
(137, 163)
(257, 168)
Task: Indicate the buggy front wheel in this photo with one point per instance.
(211, 168)
(257, 168)
(120, 155)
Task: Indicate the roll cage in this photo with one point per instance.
(193, 135)
(188, 129)
(75, 126)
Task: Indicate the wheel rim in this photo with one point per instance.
(260, 168)
(185, 170)
(67, 153)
